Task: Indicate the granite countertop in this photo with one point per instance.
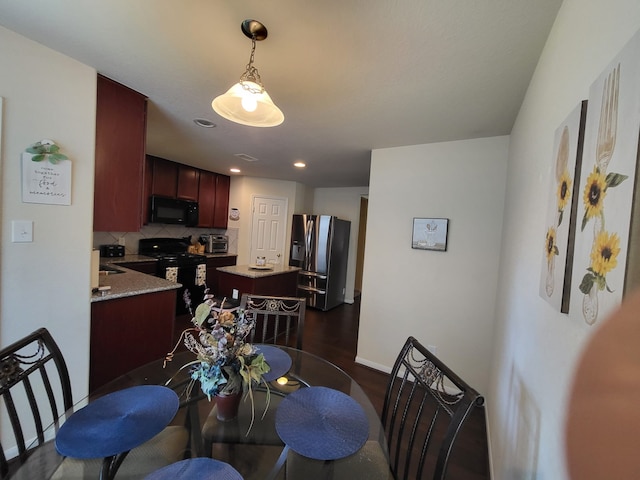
(130, 283)
(247, 271)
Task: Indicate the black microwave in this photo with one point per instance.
(171, 210)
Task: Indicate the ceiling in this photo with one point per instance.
(350, 76)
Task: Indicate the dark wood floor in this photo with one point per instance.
(333, 335)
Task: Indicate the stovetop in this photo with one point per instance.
(169, 250)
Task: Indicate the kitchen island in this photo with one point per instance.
(276, 280)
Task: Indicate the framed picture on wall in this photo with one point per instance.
(607, 189)
(562, 203)
(430, 233)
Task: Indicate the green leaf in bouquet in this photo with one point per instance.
(202, 313)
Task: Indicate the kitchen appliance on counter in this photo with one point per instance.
(177, 265)
(111, 250)
(215, 243)
(320, 247)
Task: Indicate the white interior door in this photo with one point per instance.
(268, 229)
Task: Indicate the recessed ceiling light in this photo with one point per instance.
(234, 170)
(203, 122)
(300, 164)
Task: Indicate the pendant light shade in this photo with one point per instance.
(242, 106)
(247, 102)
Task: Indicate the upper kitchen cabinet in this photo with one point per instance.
(206, 199)
(188, 178)
(176, 180)
(164, 176)
(119, 158)
(220, 215)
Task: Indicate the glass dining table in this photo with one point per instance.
(251, 442)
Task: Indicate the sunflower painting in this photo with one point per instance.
(555, 272)
(607, 188)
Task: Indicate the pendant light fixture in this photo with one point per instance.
(247, 102)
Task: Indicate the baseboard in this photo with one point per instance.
(375, 366)
(489, 449)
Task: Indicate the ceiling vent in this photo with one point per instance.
(245, 157)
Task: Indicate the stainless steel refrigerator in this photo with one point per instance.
(320, 247)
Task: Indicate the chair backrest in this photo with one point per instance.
(424, 409)
(279, 320)
(35, 389)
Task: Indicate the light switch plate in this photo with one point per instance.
(22, 231)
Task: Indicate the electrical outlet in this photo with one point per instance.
(234, 294)
(432, 348)
(121, 241)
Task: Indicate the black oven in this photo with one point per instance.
(176, 265)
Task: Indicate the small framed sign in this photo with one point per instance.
(46, 174)
(430, 233)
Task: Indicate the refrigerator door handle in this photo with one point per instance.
(311, 289)
(312, 274)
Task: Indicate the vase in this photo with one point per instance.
(550, 280)
(227, 406)
(590, 305)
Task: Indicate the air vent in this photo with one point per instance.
(245, 157)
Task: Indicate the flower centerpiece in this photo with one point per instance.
(226, 364)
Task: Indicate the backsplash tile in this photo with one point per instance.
(160, 230)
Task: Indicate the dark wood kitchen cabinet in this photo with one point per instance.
(176, 180)
(221, 209)
(206, 199)
(119, 157)
(188, 178)
(164, 175)
(129, 332)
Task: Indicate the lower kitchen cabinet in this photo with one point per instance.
(129, 332)
(212, 273)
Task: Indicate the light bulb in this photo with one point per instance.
(249, 102)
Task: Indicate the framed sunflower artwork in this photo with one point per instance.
(560, 227)
(607, 186)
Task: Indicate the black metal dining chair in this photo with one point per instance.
(279, 320)
(36, 391)
(426, 405)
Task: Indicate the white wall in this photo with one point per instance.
(345, 204)
(47, 282)
(342, 202)
(536, 347)
(241, 193)
(445, 299)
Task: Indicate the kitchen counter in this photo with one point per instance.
(235, 280)
(247, 271)
(130, 283)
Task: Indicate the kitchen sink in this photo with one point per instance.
(109, 270)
